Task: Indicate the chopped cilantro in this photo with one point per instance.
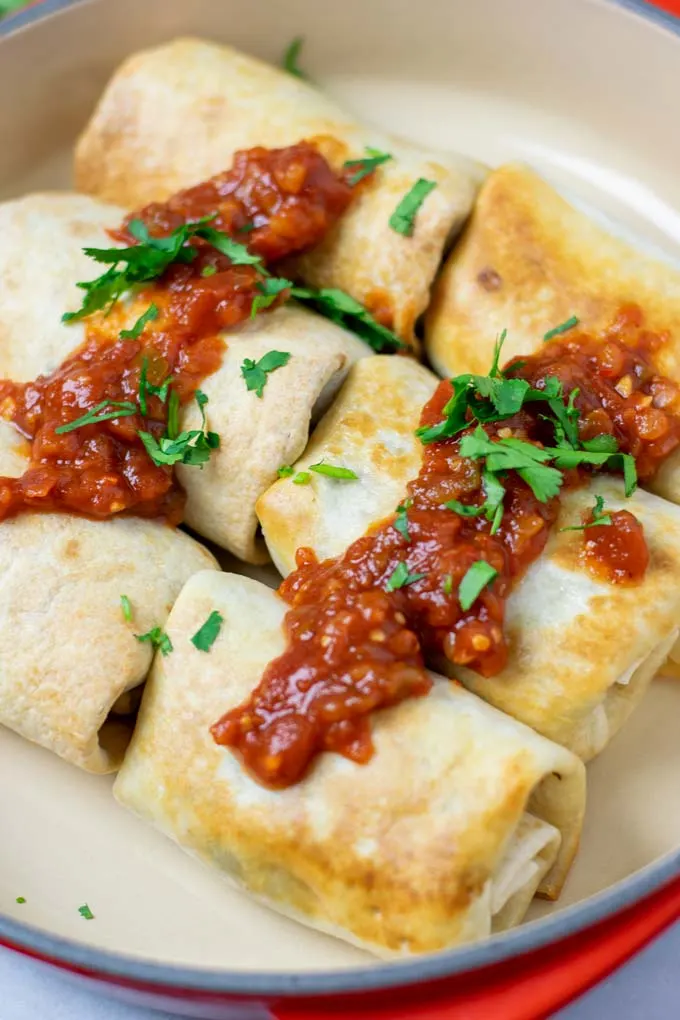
(193, 447)
(246, 228)
(85, 912)
(363, 167)
(401, 520)
(290, 58)
(206, 635)
(255, 372)
(562, 328)
(117, 409)
(400, 577)
(285, 471)
(158, 639)
(148, 260)
(333, 471)
(21, 899)
(598, 517)
(447, 586)
(477, 577)
(302, 478)
(341, 308)
(148, 316)
(515, 454)
(403, 218)
(269, 289)
(126, 607)
(209, 270)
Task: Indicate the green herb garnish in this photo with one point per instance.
(515, 454)
(285, 471)
(302, 478)
(447, 586)
(363, 167)
(255, 372)
(209, 270)
(598, 517)
(400, 522)
(400, 577)
(334, 471)
(21, 899)
(477, 577)
(562, 328)
(205, 636)
(148, 316)
(126, 607)
(403, 218)
(269, 289)
(85, 912)
(158, 638)
(339, 307)
(148, 260)
(193, 447)
(117, 409)
(290, 58)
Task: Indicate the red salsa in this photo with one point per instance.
(356, 642)
(290, 197)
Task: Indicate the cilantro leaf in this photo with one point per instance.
(341, 308)
(562, 328)
(285, 471)
(403, 218)
(206, 635)
(400, 522)
(400, 577)
(515, 454)
(158, 639)
(334, 471)
(85, 912)
(148, 316)
(302, 478)
(363, 167)
(126, 608)
(447, 586)
(269, 289)
(598, 517)
(118, 409)
(190, 447)
(238, 253)
(255, 372)
(290, 58)
(476, 578)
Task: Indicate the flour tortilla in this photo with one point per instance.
(41, 261)
(131, 153)
(68, 657)
(570, 675)
(394, 866)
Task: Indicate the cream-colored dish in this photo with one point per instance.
(477, 95)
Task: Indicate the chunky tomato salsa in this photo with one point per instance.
(433, 581)
(103, 427)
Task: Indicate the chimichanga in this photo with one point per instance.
(41, 261)
(226, 101)
(569, 674)
(68, 654)
(528, 262)
(442, 837)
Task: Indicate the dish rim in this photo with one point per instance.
(105, 963)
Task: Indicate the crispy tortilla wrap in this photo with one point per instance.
(570, 675)
(68, 654)
(225, 101)
(529, 261)
(441, 838)
(41, 261)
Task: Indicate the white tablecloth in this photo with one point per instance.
(648, 988)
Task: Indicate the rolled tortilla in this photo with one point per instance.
(529, 261)
(570, 675)
(130, 153)
(41, 261)
(68, 655)
(396, 865)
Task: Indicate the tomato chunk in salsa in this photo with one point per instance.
(355, 645)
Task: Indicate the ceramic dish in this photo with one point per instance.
(583, 91)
